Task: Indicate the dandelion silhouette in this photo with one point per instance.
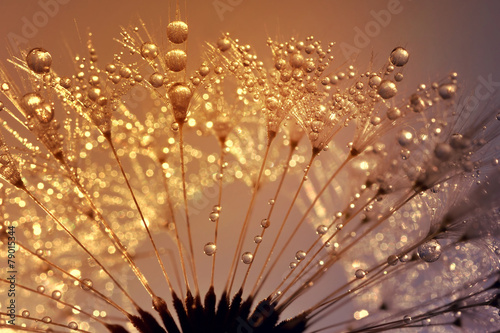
(398, 231)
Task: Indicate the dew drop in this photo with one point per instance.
(399, 57)
(407, 319)
(300, 255)
(176, 60)
(40, 289)
(498, 116)
(177, 32)
(392, 260)
(223, 44)
(39, 252)
(180, 96)
(265, 223)
(247, 258)
(30, 102)
(45, 113)
(398, 77)
(374, 81)
(271, 202)
(86, 284)
(292, 265)
(213, 216)
(156, 80)
(405, 258)
(360, 273)
(430, 251)
(209, 249)
(447, 91)
(47, 319)
(149, 51)
(257, 239)
(73, 325)
(25, 314)
(405, 138)
(387, 89)
(321, 230)
(393, 113)
(39, 60)
(175, 126)
(56, 294)
(443, 151)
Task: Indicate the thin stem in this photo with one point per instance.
(184, 192)
(157, 254)
(234, 264)
(219, 200)
(275, 198)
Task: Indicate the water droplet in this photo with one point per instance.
(30, 102)
(297, 60)
(149, 51)
(430, 251)
(47, 319)
(257, 239)
(392, 260)
(86, 284)
(407, 319)
(73, 325)
(223, 44)
(156, 80)
(447, 91)
(292, 265)
(176, 60)
(125, 72)
(339, 226)
(40, 289)
(174, 126)
(247, 258)
(25, 313)
(443, 151)
(360, 273)
(405, 258)
(177, 32)
(180, 96)
(271, 202)
(405, 138)
(321, 230)
(387, 89)
(398, 77)
(213, 216)
(300, 255)
(374, 81)
(39, 60)
(393, 113)
(265, 223)
(399, 57)
(209, 249)
(45, 113)
(498, 116)
(39, 252)
(56, 294)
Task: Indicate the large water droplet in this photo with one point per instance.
(247, 258)
(73, 325)
(45, 113)
(392, 260)
(56, 294)
(39, 60)
(25, 313)
(176, 60)
(30, 102)
(40, 289)
(321, 230)
(177, 32)
(300, 255)
(209, 249)
(180, 97)
(265, 223)
(156, 80)
(447, 91)
(360, 273)
(257, 239)
(399, 57)
(430, 251)
(47, 319)
(149, 51)
(387, 89)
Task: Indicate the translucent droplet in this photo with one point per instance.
(47, 319)
(30, 102)
(247, 258)
(176, 60)
(156, 80)
(180, 96)
(393, 113)
(209, 249)
(149, 51)
(257, 239)
(73, 325)
(300, 255)
(213, 216)
(216, 208)
(292, 265)
(430, 251)
(39, 60)
(125, 72)
(407, 319)
(86, 284)
(447, 91)
(405, 138)
(223, 44)
(443, 151)
(39, 252)
(392, 260)
(40, 289)
(374, 81)
(498, 116)
(405, 258)
(56, 294)
(271, 202)
(25, 314)
(297, 60)
(387, 89)
(321, 230)
(177, 32)
(360, 273)
(265, 223)
(398, 77)
(174, 126)
(45, 113)
(399, 57)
